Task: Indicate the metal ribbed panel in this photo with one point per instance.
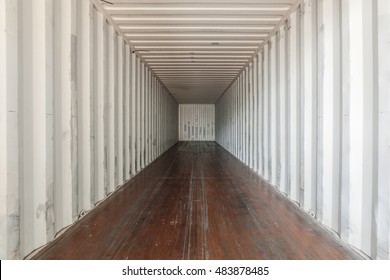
(196, 122)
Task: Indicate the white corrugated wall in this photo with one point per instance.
(80, 114)
(196, 122)
(317, 125)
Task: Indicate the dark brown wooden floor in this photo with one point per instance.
(196, 202)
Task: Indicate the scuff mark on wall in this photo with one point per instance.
(40, 210)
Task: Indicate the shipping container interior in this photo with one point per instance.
(92, 92)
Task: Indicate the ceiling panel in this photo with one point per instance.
(196, 48)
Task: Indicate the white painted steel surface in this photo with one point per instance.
(383, 130)
(9, 119)
(196, 48)
(196, 122)
(364, 125)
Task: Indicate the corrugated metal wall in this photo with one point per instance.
(310, 114)
(80, 114)
(196, 122)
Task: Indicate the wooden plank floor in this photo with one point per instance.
(196, 202)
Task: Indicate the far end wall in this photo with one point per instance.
(196, 122)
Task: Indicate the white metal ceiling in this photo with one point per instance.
(196, 47)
